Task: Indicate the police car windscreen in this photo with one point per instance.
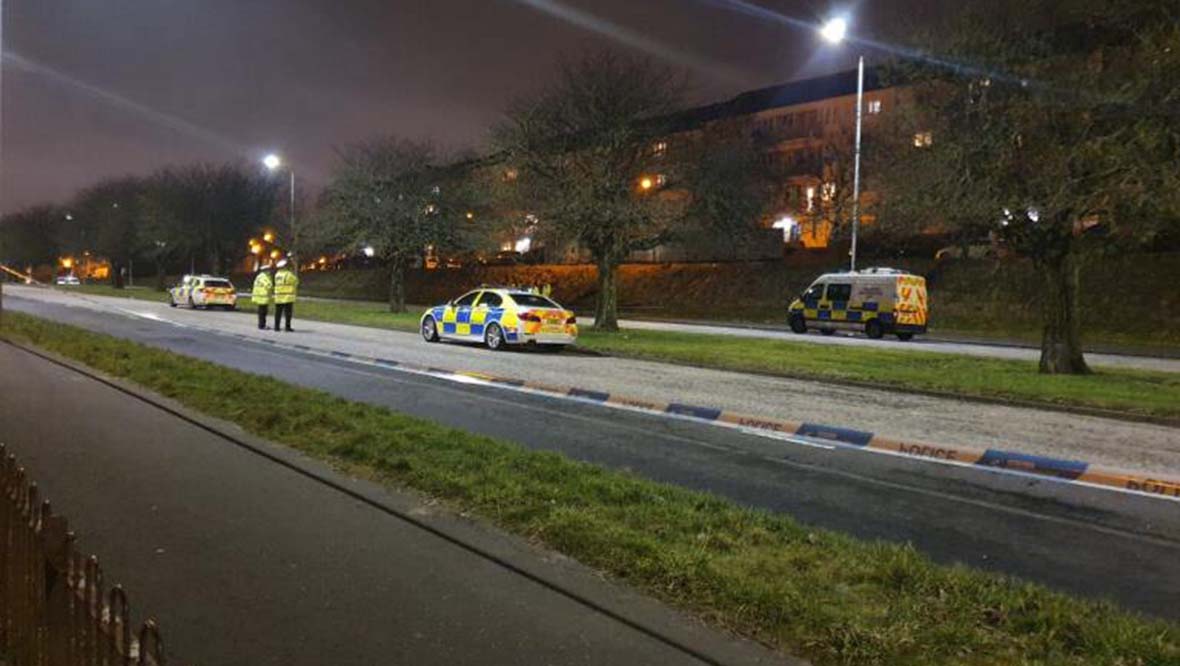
(218, 284)
(533, 301)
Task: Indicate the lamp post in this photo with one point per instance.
(273, 163)
(834, 32)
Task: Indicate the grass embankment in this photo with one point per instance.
(810, 592)
(1155, 394)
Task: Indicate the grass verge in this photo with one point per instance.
(1135, 392)
(809, 592)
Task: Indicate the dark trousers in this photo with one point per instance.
(262, 316)
(283, 311)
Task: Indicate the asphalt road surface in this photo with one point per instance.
(244, 560)
(1092, 542)
(1115, 443)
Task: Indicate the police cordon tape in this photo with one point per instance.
(1056, 469)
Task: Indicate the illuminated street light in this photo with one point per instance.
(273, 163)
(646, 183)
(269, 237)
(368, 251)
(834, 32)
(470, 215)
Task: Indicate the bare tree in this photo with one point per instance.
(595, 162)
(388, 195)
(1061, 138)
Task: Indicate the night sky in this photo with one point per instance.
(96, 88)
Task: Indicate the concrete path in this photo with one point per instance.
(247, 561)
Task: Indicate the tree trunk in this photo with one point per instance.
(1061, 343)
(117, 275)
(397, 285)
(606, 306)
(161, 280)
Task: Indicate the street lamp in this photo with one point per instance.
(834, 32)
(273, 163)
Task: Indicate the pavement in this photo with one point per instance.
(248, 554)
(1095, 543)
(1108, 442)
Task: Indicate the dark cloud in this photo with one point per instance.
(125, 86)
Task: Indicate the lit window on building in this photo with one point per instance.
(789, 227)
(659, 148)
(828, 193)
(874, 106)
(511, 174)
(810, 199)
(923, 139)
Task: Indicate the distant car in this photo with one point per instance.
(67, 281)
(204, 291)
(501, 317)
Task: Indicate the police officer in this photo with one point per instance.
(286, 283)
(263, 294)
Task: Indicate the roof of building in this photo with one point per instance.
(774, 97)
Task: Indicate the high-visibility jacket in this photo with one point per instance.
(286, 283)
(264, 289)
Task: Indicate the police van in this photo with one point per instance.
(877, 301)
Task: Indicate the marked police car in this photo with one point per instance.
(877, 301)
(204, 291)
(498, 317)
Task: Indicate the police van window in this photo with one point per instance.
(466, 299)
(839, 292)
(491, 299)
(814, 292)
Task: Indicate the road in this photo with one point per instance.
(1134, 446)
(245, 560)
(1088, 541)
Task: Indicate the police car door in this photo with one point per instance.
(837, 297)
(486, 308)
(461, 329)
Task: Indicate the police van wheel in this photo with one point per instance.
(494, 337)
(429, 330)
(874, 330)
(171, 301)
(797, 324)
(828, 331)
(905, 337)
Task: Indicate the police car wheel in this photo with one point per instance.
(191, 304)
(828, 331)
(494, 337)
(874, 330)
(797, 324)
(905, 337)
(171, 301)
(429, 330)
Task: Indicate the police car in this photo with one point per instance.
(499, 317)
(204, 291)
